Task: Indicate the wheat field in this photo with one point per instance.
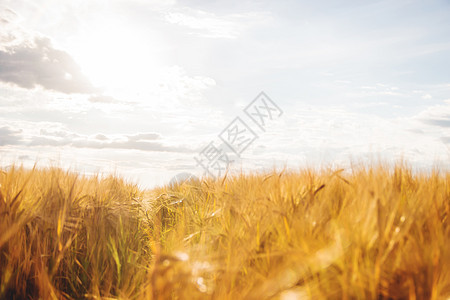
(367, 233)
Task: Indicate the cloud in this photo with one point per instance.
(103, 99)
(9, 136)
(436, 115)
(58, 133)
(130, 145)
(139, 141)
(7, 16)
(9, 33)
(101, 137)
(210, 25)
(441, 122)
(154, 4)
(446, 140)
(144, 136)
(108, 100)
(39, 64)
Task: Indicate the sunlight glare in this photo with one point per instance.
(118, 58)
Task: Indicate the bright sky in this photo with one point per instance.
(140, 87)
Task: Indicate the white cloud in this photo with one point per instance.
(210, 25)
(59, 137)
(38, 63)
(9, 136)
(28, 59)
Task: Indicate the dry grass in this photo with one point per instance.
(374, 233)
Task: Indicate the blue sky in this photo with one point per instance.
(141, 87)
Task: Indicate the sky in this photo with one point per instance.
(151, 89)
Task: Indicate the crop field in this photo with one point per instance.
(373, 232)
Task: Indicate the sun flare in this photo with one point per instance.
(117, 64)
